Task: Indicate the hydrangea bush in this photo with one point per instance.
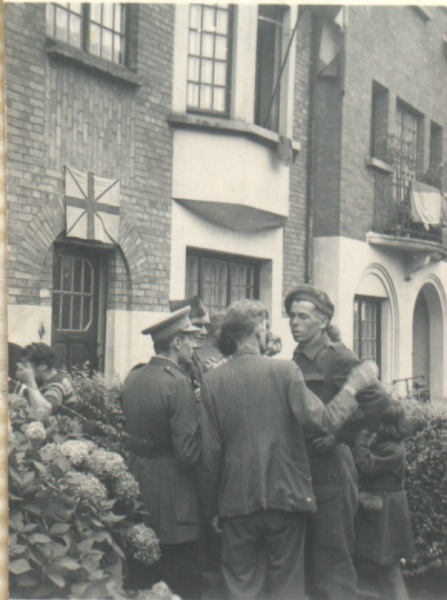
(426, 484)
(74, 509)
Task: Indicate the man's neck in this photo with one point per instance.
(250, 343)
(49, 374)
(310, 343)
(169, 356)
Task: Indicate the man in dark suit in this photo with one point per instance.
(256, 474)
(159, 407)
(325, 365)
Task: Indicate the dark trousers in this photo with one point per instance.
(179, 567)
(329, 546)
(263, 556)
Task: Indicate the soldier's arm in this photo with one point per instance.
(184, 424)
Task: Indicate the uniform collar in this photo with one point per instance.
(312, 349)
(247, 350)
(164, 362)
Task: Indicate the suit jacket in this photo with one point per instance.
(254, 454)
(159, 407)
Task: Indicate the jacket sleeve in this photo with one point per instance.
(376, 460)
(212, 448)
(372, 401)
(310, 410)
(184, 424)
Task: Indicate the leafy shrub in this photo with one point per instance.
(426, 484)
(74, 508)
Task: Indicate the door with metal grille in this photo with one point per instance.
(75, 316)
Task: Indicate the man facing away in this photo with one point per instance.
(159, 408)
(325, 365)
(256, 474)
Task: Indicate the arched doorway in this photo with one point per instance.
(428, 339)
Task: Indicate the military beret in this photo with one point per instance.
(310, 293)
(177, 322)
(197, 308)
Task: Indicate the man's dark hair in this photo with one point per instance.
(38, 353)
(15, 353)
(241, 320)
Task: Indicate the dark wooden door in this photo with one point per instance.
(75, 317)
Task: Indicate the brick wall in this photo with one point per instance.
(295, 237)
(59, 113)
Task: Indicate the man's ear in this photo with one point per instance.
(324, 322)
(176, 342)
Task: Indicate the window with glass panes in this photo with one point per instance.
(367, 328)
(407, 146)
(220, 279)
(209, 56)
(98, 28)
(268, 65)
(72, 293)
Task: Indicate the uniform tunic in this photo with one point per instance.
(383, 536)
(159, 407)
(331, 534)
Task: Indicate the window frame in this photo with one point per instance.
(191, 109)
(86, 23)
(273, 123)
(201, 254)
(379, 121)
(359, 300)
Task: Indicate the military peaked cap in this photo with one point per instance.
(177, 322)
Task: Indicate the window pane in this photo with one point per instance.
(77, 274)
(207, 45)
(56, 310)
(222, 21)
(107, 15)
(193, 95)
(193, 69)
(87, 312)
(66, 312)
(106, 46)
(95, 12)
(208, 19)
(205, 97)
(61, 24)
(117, 55)
(88, 277)
(77, 307)
(194, 43)
(95, 39)
(50, 18)
(67, 267)
(74, 35)
(194, 16)
(220, 73)
(221, 48)
(207, 71)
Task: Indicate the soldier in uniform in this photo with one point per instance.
(159, 408)
(325, 365)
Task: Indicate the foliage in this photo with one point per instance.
(74, 508)
(426, 484)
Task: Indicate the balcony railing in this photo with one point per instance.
(392, 213)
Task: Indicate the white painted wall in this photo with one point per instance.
(340, 267)
(24, 322)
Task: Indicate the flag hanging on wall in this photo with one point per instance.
(92, 206)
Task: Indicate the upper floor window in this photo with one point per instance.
(209, 40)
(99, 29)
(435, 158)
(220, 279)
(379, 121)
(268, 65)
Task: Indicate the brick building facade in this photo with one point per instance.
(230, 184)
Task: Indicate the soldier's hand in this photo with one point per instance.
(322, 445)
(362, 376)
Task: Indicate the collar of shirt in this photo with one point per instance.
(164, 362)
(247, 350)
(314, 348)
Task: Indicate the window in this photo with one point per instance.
(406, 148)
(210, 28)
(99, 29)
(435, 158)
(367, 328)
(220, 279)
(379, 121)
(268, 66)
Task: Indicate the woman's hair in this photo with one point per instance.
(240, 322)
(333, 332)
(394, 424)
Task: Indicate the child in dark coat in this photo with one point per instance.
(383, 529)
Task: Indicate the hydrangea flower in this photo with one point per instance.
(86, 486)
(103, 463)
(77, 450)
(50, 452)
(125, 487)
(145, 543)
(35, 431)
(17, 402)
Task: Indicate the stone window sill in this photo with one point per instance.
(228, 126)
(62, 50)
(379, 165)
